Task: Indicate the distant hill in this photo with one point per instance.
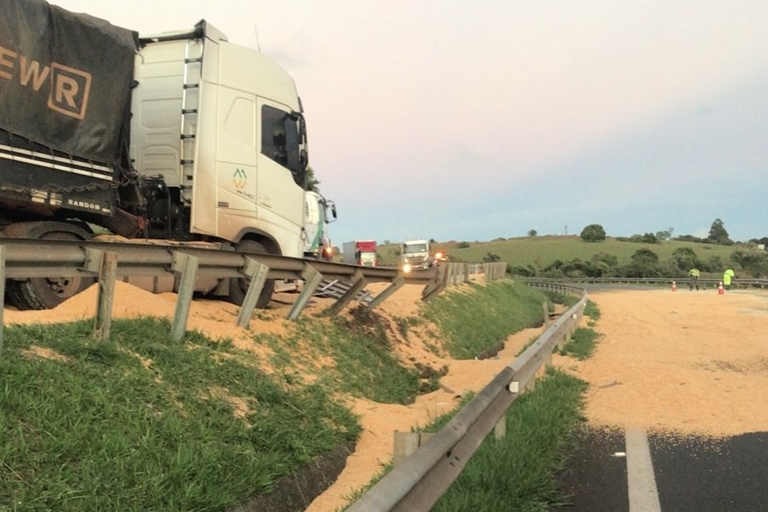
(542, 251)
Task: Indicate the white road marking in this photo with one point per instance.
(643, 495)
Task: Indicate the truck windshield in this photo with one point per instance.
(281, 141)
(411, 248)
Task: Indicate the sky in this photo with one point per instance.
(471, 120)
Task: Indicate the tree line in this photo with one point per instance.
(646, 263)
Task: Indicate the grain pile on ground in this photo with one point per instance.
(689, 362)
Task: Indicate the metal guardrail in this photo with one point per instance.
(187, 263)
(422, 478)
(450, 273)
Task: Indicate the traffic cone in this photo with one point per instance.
(720, 290)
(674, 286)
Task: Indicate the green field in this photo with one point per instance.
(540, 251)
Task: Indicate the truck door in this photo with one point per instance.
(312, 223)
(236, 157)
(280, 186)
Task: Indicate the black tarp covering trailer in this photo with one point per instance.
(65, 97)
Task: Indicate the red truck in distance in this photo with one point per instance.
(361, 253)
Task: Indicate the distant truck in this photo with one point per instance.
(362, 253)
(414, 254)
(178, 136)
(318, 213)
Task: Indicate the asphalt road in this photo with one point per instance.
(691, 474)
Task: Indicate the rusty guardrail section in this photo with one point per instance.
(422, 478)
(186, 263)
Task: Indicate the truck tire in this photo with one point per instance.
(238, 287)
(45, 292)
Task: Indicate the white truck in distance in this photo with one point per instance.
(318, 213)
(414, 254)
(178, 136)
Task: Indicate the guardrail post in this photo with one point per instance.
(389, 290)
(437, 285)
(2, 294)
(358, 283)
(257, 272)
(500, 430)
(107, 260)
(187, 265)
(406, 443)
(312, 278)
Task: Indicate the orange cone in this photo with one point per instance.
(720, 290)
(674, 286)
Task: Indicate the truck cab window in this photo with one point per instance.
(281, 140)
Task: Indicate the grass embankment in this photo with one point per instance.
(142, 423)
(476, 323)
(519, 471)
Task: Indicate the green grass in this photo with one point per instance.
(142, 423)
(516, 472)
(591, 310)
(474, 323)
(582, 344)
(364, 362)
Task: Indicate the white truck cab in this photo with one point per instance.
(415, 254)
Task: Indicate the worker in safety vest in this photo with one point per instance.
(727, 276)
(694, 273)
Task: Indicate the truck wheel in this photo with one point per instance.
(45, 292)
(238, 287)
